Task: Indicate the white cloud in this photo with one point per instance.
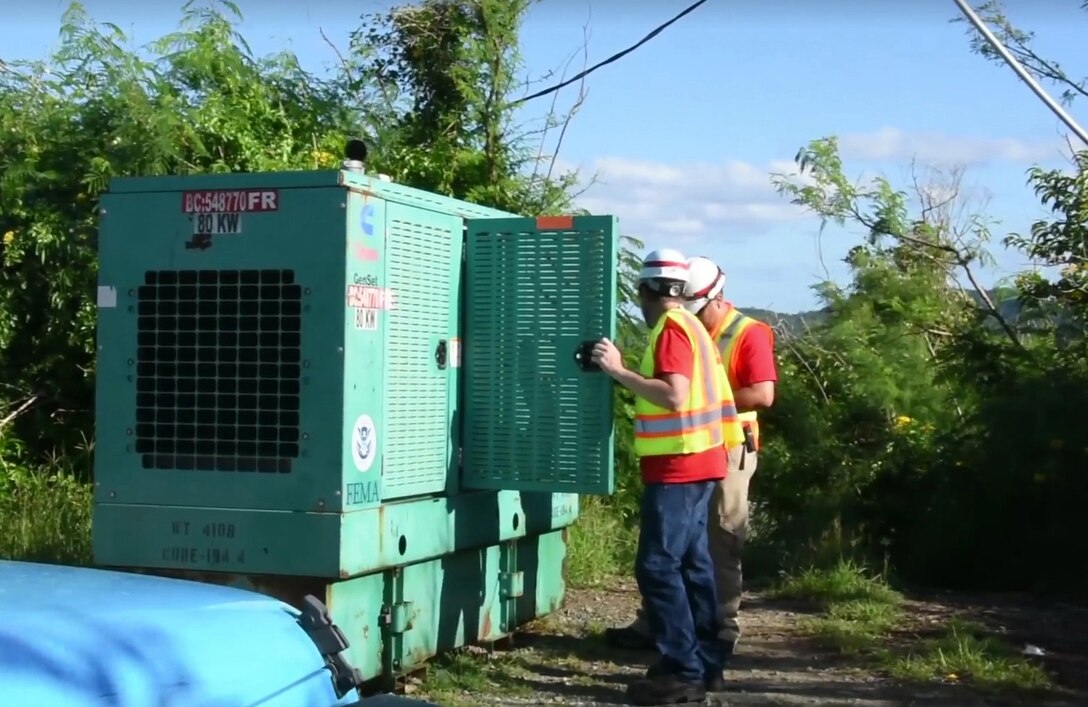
(890, 143)
(684, 204)
(717, 204)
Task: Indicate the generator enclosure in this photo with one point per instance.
(327, 382)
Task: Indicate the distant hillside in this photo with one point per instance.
(1007, 304)
(790, 322)
(797, 322)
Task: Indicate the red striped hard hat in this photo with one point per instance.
(664, 264)
(705, 282)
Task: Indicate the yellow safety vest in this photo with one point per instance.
(729, 334)
(702, 422)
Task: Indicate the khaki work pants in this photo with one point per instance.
(727, 530)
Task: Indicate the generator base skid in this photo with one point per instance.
(397, 619)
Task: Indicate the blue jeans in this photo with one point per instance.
(676, 578)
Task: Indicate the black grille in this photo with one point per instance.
(218, 370)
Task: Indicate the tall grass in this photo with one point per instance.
(602, 545)
(45, 512)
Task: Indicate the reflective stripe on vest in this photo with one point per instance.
(697, 425)
(735, 325)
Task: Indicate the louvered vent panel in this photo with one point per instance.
(417, 393)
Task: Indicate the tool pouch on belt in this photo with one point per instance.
(749, 440)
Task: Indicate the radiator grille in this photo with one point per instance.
(218, 370)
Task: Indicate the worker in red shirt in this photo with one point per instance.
(746, 346)
(684, 415)
(747, 350)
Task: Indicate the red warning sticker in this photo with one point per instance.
(363, 297)
(230, 201)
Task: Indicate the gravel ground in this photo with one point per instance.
(561, 660)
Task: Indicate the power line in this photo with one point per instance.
(1027, 78)
(612, 58)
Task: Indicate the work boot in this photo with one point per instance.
(628, 637)
(714, 681)
(665, 689)
(728, 649)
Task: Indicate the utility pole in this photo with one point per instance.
(1027, 78)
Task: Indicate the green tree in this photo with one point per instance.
(443, 74)
(925, 421)
(431, 86)
(1055, 302)
(1033, 404)
(94, 110)
(864, 389)
(204, 103)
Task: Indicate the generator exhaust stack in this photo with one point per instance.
(354, 156)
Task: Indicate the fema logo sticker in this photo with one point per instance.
(364, 443)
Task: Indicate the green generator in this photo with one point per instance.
(324, 383)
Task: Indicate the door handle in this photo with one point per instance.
(440, 354)
(583, 356)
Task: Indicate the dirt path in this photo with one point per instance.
(563, 661)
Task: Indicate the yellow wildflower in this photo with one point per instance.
(9, 237)
(902, 420)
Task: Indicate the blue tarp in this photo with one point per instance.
(84, 637)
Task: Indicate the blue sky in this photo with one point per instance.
(683, 133)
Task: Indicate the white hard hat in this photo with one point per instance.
(705, 282)
(664, 264)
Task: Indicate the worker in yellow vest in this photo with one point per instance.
(684, 415)
(746, 347)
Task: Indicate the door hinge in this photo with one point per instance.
(512, 584)
(397, 618)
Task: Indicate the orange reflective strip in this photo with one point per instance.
(674, 415)
(711, 394)
(714, 428)
(679, 424)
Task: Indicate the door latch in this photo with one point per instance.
(440, 354)
(583, 356)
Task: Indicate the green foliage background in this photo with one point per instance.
(922, 423)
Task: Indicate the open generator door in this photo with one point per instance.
(539, 293)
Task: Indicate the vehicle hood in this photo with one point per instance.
(80, 637)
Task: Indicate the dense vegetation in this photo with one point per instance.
(922, 423)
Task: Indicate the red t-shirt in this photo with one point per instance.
(674, 354)
(753, 357)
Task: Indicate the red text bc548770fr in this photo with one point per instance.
(230, 201)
